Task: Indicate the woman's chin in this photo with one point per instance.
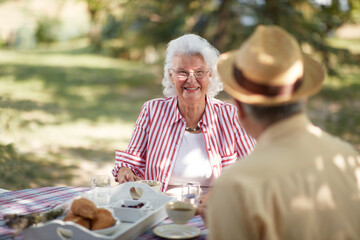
(192, 98)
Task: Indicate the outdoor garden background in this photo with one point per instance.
(75, 73)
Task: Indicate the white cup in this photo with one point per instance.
(180, 212)
(101, 189)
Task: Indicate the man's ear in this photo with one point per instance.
(240, 108)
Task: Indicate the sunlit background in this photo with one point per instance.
(75, 73)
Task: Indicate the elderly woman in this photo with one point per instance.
(187, 135)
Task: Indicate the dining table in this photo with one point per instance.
(43, 199)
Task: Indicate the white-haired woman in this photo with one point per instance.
(187, 135)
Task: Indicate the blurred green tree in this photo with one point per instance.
(96, 10)
(130, 27)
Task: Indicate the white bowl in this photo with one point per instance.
(124, 211)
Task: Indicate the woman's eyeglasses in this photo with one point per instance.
(182, 75)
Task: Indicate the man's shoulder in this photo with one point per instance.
(339, 143)
(250, 167)
(328, 143)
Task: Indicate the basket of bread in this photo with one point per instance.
(81, 220)
(124, 218)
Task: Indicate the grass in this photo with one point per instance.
(336, 107)
(63, 114)
(64, 111)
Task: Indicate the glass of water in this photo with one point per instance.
(190, 193)
(101, 189)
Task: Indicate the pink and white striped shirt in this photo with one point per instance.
(160, 128)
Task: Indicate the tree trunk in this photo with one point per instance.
(219, 39)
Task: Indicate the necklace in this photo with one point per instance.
(192, 129)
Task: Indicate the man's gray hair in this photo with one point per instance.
(267, 115)
(191, 44)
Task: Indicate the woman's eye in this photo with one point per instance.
(182, 73)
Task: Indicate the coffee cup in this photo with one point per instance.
(180, 212)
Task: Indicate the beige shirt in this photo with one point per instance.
(299, 183)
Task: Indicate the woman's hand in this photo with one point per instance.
(126, 175)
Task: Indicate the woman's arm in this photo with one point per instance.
(133, 160)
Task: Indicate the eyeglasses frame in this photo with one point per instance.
(188, 73)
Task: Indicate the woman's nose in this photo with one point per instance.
(191, 76)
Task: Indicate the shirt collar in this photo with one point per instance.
(298, 122)
(208, 116)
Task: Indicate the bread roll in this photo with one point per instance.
(103, 219)
(84, 207)
(78, 219)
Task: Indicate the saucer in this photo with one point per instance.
(176, 231)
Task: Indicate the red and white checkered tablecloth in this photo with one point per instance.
(46, 198)
(32, 200)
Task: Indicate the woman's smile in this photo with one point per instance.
(191, 89)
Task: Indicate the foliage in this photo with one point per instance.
(46, 31)
(308, 21)
(131, 26)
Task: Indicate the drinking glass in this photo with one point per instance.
(190, 193)
(100, 185)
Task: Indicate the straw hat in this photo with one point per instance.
(269, 68)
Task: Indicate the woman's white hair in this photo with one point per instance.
(191, 44)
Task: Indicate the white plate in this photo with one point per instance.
(176, 231)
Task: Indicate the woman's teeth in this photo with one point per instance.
(194, 88)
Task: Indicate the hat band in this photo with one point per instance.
(264, 89)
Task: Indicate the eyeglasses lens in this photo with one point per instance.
(182, 75)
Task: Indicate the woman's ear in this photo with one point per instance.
(171, 77)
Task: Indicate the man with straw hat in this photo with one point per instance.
(300, 182)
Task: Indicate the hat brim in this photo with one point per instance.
(314, 76)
